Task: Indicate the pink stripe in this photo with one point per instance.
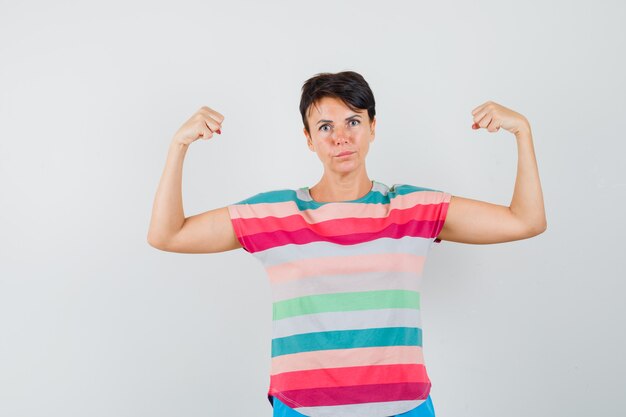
(400, 262)
(319, 397)
(384, 355)
(367, 218)
(295, 224)
(352, 375)
(371, 281)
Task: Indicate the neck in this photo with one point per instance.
(341, 189)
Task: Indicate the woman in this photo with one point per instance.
(345, 257)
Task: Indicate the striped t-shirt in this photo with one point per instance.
(345, 280)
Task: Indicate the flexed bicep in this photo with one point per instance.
(480, 222)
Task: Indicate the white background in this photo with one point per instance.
(95, 322)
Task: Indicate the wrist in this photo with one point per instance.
(179, 145)
(523, 130)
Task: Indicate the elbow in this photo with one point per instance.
(152, 243)
(543, 225)
(155, 242)
(537, 228)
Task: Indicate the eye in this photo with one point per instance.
(355, 120)
(322, 128)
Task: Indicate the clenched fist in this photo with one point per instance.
(493, 116)
(201, 125)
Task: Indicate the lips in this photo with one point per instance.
(345, 153)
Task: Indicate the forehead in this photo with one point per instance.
(327, 106)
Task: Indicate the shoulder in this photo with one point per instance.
(417, 194)
(401, 189)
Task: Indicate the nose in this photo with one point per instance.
(340, 135)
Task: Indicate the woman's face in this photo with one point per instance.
(336, 129)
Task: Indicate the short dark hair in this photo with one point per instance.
(348, 86)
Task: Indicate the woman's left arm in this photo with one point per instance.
(479, 222)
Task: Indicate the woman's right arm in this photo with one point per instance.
(207, 232)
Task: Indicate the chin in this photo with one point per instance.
(347, 168)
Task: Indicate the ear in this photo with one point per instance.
(373, 129)
(309, 141)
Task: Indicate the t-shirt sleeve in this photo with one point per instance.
(252, 217)
(441, 203)
(237, 218)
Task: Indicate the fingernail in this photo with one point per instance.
(219, 131)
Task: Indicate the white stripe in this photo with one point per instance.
(292, 252)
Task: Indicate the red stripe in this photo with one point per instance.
(350, 375)
(442, 217)
(423, 212)
(416, 228)
(316, 397)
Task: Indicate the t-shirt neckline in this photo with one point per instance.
(365, 197)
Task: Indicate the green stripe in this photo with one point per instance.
(347, 301)
(346, 339)
(284, 195)
(281, 196)
(403, 189)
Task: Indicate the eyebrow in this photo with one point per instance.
(330, 121)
